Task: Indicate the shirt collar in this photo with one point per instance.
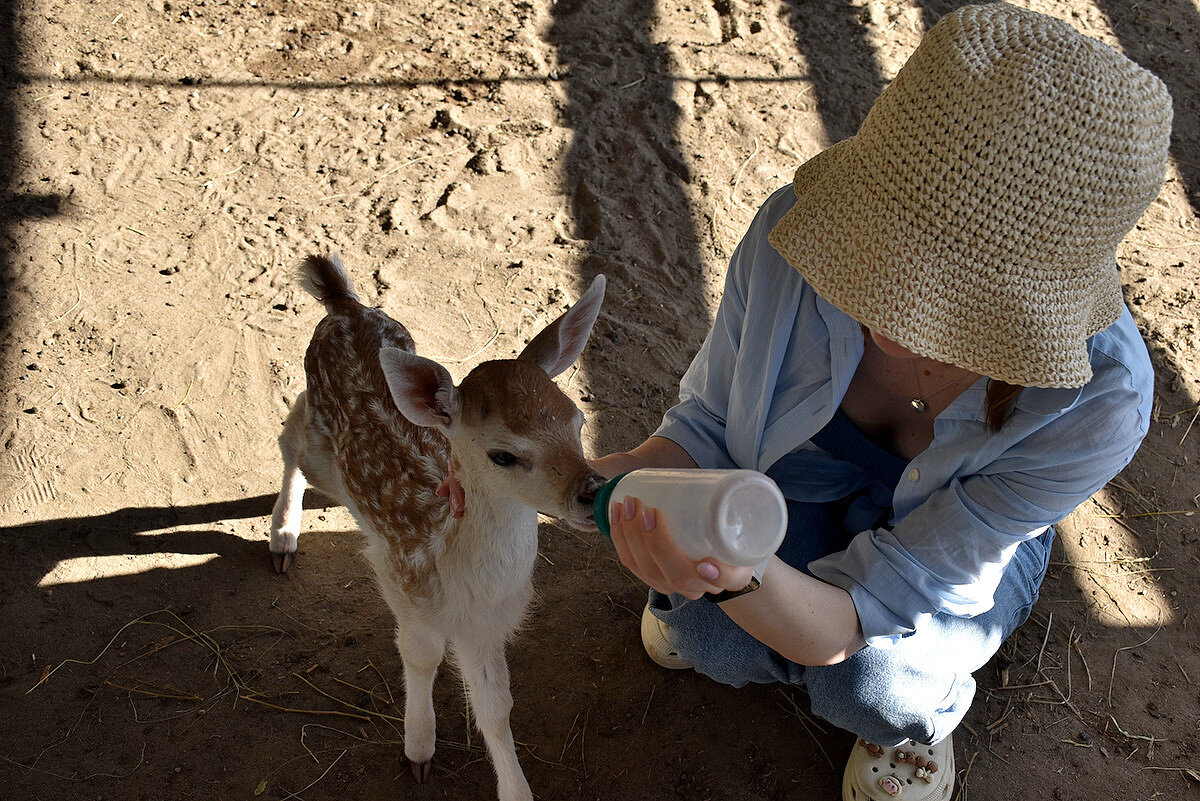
(840, 325)
(845, 345)
(1046, 402)
(1043, 402)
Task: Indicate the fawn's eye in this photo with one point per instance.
(502, 458)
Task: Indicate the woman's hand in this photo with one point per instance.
(644, 545)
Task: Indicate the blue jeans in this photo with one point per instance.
(919, 689)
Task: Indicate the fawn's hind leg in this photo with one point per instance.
(285, 517)
(422, 650)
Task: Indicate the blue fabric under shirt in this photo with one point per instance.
(852, 475)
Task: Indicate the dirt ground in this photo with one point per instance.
(167, 163)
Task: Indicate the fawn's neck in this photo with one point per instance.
(497, 533)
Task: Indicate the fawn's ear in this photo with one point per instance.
(422, 389)
(559, 344)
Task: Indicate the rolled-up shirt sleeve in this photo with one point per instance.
(949, 553)
(760, 383)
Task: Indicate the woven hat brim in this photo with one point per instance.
(856, 241)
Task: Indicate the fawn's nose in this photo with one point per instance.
(591, 485)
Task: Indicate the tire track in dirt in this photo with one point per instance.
(34, 486)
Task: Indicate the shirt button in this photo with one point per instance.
(914, 474)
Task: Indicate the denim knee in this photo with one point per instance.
(717, 647)
(879, 697)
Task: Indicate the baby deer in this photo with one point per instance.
(377, 430)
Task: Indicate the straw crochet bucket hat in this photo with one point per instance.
(975, 216)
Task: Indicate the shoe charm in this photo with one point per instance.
(872, 749)
(892, 785)
(925, 768)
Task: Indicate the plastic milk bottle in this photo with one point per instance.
(736, 516)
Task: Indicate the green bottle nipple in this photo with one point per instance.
(600, 505)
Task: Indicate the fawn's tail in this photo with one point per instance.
(326, 279)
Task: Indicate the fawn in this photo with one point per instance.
(377, 429)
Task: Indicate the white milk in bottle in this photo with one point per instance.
(736, 516)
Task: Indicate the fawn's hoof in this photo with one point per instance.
(282, 561)
(420, 770)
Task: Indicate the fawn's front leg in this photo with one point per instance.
(485, 671)
(422, 650)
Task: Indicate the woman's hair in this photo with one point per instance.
(1000, 399)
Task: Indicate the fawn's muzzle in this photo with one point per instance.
(587, 491)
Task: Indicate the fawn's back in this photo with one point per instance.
(387, 468)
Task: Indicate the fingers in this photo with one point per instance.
(679, 571)
(728, 577)
(631, 548)
(643, 542)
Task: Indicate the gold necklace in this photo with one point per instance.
(918, 403)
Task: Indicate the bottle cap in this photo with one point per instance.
(600, 505)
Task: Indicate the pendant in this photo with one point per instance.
(917, 404)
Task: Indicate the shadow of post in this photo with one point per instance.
(625, 121)
(15, 205)
(841, 62)
(8, 212)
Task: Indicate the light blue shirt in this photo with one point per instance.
(776, 366)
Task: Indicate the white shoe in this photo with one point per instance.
(910, 771)
(658, 644)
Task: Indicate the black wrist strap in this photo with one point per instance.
(725, 595)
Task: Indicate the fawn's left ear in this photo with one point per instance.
(559, 344)
(422, 389)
